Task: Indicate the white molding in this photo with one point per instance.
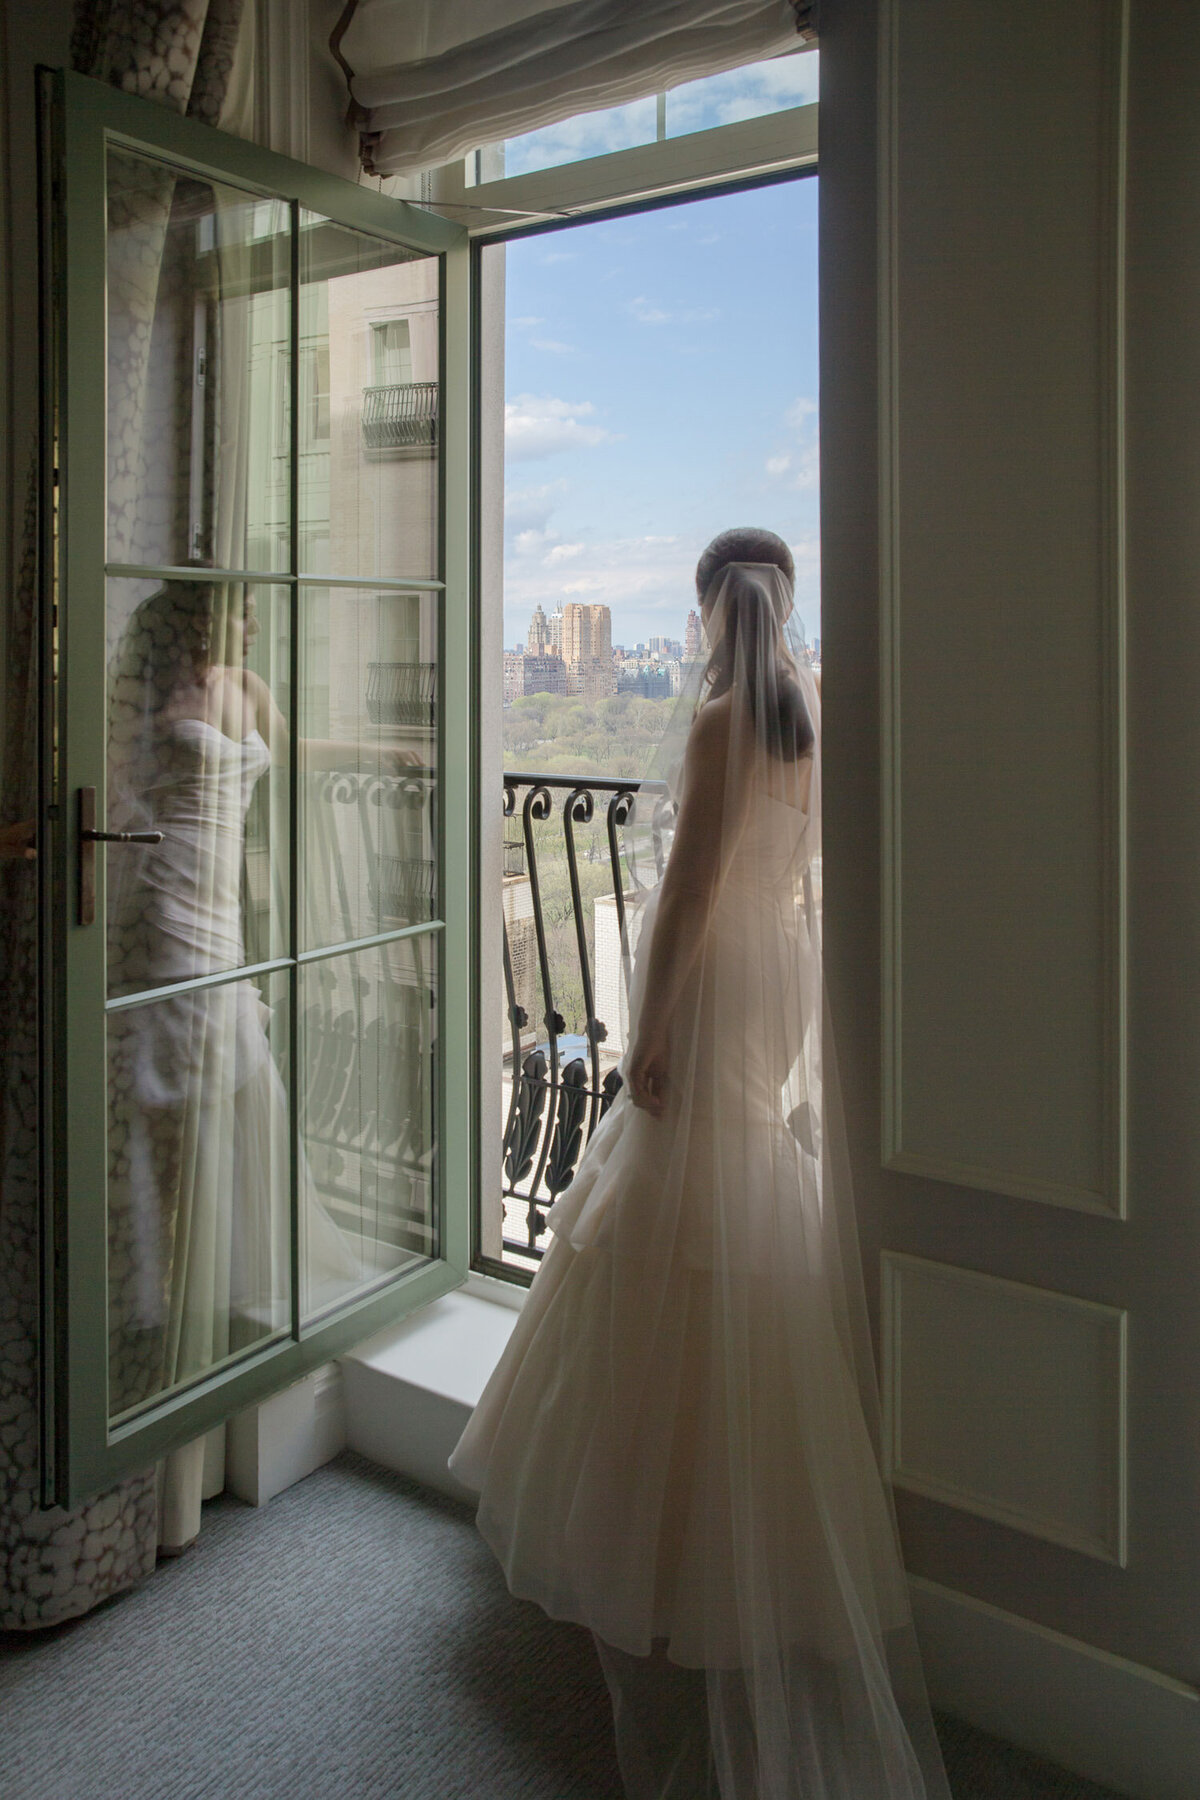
(272, 1446)
(1115, 644)
(888, 355)
(998, 1181)
(897, 1156)
(411, 1389)
(500, 1293)
(1110, 1546)
(727, 153)
(1104, 1716)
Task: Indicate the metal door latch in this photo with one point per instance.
(89, 837)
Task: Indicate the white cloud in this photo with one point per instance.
(560, 256)
(808, 467)
(795, 78)
(744, 93)
(646, 314)
(586, 134)
(553, 346)
(529, 509)
(527, 321)
(638, 577)
(540, 425)
(807, 552)
(802, 463)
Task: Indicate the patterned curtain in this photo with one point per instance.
(181, 54)
(56, 1564)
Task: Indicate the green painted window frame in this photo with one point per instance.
(82, 1453)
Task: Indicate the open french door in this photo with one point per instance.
(258, 805)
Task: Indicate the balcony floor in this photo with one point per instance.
(354, 1637)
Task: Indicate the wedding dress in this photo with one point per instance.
(677, 1449)
(199, 1131)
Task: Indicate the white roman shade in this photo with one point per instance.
(432, 79)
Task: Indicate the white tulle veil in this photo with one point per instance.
(680, 1446)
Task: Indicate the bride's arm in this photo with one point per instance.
(705, 836)
(320, 753)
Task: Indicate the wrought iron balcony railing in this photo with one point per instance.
(402, 693)
(566, 973)
(402, 416)
(579, 857)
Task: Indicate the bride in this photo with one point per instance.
(677, 1449)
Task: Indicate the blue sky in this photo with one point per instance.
(661, 385)
(745, 93)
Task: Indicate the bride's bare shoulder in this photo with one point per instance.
(707, 756)
(712, 721)
(709, 736)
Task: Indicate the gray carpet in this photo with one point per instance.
(352, 1639)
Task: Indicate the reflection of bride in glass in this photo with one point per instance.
(199, 1137)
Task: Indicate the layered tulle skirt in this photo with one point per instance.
(677, 1449)
(602, 1453)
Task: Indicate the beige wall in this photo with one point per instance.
(986, 280)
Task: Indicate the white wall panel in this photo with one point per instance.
(1002, 274)
(1006, 1400)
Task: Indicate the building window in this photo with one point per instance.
(313, 376)
(314, 393)
(391, 353)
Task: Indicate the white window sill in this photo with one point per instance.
(410, 1389)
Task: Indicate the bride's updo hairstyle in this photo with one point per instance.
(749, 646)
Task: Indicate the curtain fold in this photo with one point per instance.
(179, 52)
(429, 80)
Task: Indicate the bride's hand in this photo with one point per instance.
(19, 840)
(399, 762)
(648, 1075)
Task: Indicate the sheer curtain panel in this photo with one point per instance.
(431, 79)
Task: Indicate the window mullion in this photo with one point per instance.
(295, 1072)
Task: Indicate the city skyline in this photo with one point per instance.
(570, 651)
(544, 636)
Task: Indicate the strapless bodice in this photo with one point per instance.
(180, 914)
(771, 852)
(206, 779)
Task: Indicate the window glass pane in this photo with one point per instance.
(746, 93)
(367, 755)
(367, 1041)
(198, 1184)
(197, 684)
(368, 483)
(197, 316)
(587, 134)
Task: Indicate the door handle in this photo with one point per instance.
(89, 837)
